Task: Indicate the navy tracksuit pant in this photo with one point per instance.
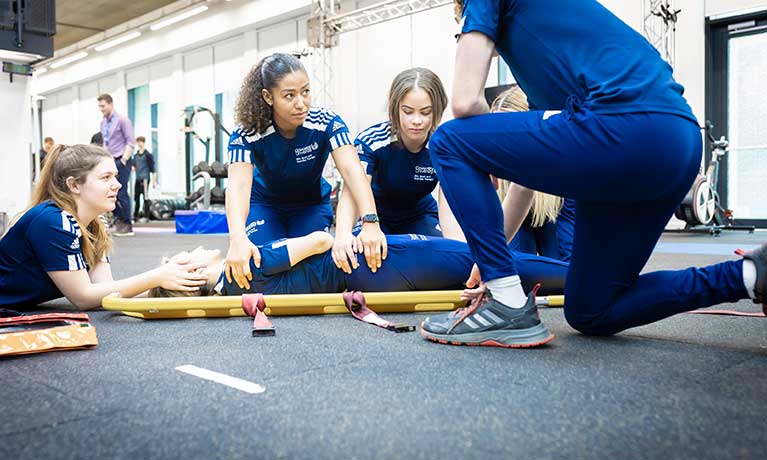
(627, 174)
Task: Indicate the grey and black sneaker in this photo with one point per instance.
(123, 229)
(487, 322)
(759, 257)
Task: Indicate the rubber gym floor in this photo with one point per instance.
(692, 386)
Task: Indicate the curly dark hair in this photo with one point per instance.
(250, 110)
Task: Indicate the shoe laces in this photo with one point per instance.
(464, 312)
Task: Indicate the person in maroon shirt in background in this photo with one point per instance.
(119, 141)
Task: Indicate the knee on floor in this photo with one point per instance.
(588, 324)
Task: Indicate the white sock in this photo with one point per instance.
(749, 277)
(508, 290)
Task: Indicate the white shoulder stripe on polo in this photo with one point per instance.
(339, 140)
(376, 132)
(318, 119)
(379, 144)
(219, 284)
(253, 138)
(74, 261)
(269, 131)
(319, 112)
(69, 223)
(377, 137)
(240, 156)
(315, 126)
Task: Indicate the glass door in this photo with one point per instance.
(747, 123)
(736, 103)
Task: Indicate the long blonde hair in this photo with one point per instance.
(74, 161)
(407, 80)
(545, 207)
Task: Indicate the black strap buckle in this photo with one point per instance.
(401, 327)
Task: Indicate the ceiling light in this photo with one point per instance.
(68, 60)
(179, 17)
(117, 41)
(15, 56)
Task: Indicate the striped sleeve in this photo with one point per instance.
(367, 156)
(240, 149)
(56, 240)
(338, 133)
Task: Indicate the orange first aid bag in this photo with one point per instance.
(26, 334)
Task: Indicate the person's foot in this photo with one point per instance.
(488, 322)
(123, 229)
(759, 257)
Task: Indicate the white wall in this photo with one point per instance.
(15, 148)
(220, 21)
(366, 61)
(190, 63)
(716, 7)
(186, 65)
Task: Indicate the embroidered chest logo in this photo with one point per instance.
(424, 174)
(237, 141)
(304, 154)
(75, 244)
(253, 226)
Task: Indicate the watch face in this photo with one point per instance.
(370, 218)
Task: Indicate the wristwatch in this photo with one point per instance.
(370, 218)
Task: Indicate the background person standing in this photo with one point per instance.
(117, 132)
(47, 146)
(143, 164)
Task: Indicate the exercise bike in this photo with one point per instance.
(701, 209)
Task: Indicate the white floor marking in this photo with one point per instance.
(223, 379)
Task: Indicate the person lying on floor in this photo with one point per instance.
(58, 246)
(305, 265)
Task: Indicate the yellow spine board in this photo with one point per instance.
(291, 304)
(283, 304)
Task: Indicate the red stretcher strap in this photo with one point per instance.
(357, 305)
(44, 318)
(254, 305)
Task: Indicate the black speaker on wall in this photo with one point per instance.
(28, 26)
(40, 16)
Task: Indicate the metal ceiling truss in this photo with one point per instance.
(659, 26)
(325, 25)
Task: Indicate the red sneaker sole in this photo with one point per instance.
(490, 343)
